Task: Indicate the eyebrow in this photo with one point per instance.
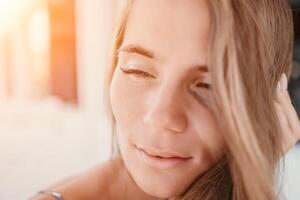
(137, 49)
(131, 48)
(202, 68)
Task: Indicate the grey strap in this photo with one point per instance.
(54, 194)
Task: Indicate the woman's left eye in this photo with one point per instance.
(203, 85)
(201, 91)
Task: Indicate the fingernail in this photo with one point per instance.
(284, 82)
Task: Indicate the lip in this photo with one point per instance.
(161, 159)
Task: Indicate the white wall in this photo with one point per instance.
(20, 62)
(94, 28)
(2, 71)
(43, 142)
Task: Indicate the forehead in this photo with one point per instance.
(170, 28)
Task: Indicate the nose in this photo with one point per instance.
(166, 112)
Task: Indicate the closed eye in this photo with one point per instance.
(203, 85)
(201, 91)
(138, 73)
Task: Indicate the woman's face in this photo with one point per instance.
(166, 132)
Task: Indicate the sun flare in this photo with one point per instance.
(12, 12)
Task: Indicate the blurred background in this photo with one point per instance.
(52, 124)
(52, 59)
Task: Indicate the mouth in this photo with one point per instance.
(161, 158)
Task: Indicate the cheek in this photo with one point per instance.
(123, 99)
(208, 135)
(126, 99)
(124, 108)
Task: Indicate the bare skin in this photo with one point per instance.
(108, 181)
(111, 180)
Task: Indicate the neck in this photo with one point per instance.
(124, 186)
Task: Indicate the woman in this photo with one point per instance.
(198, 102)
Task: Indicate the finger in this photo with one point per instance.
(286, 104)
(287, 136)
(282, 118)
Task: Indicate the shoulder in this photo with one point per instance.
(90, 184)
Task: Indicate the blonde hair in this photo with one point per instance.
(250, 47)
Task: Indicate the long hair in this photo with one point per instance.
(250, 46)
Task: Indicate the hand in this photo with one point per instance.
(287, 115)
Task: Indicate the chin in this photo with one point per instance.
(159, 191)
(160, 187)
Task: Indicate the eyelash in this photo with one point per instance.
(137, 73)
(140, 73)
(204, 85)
